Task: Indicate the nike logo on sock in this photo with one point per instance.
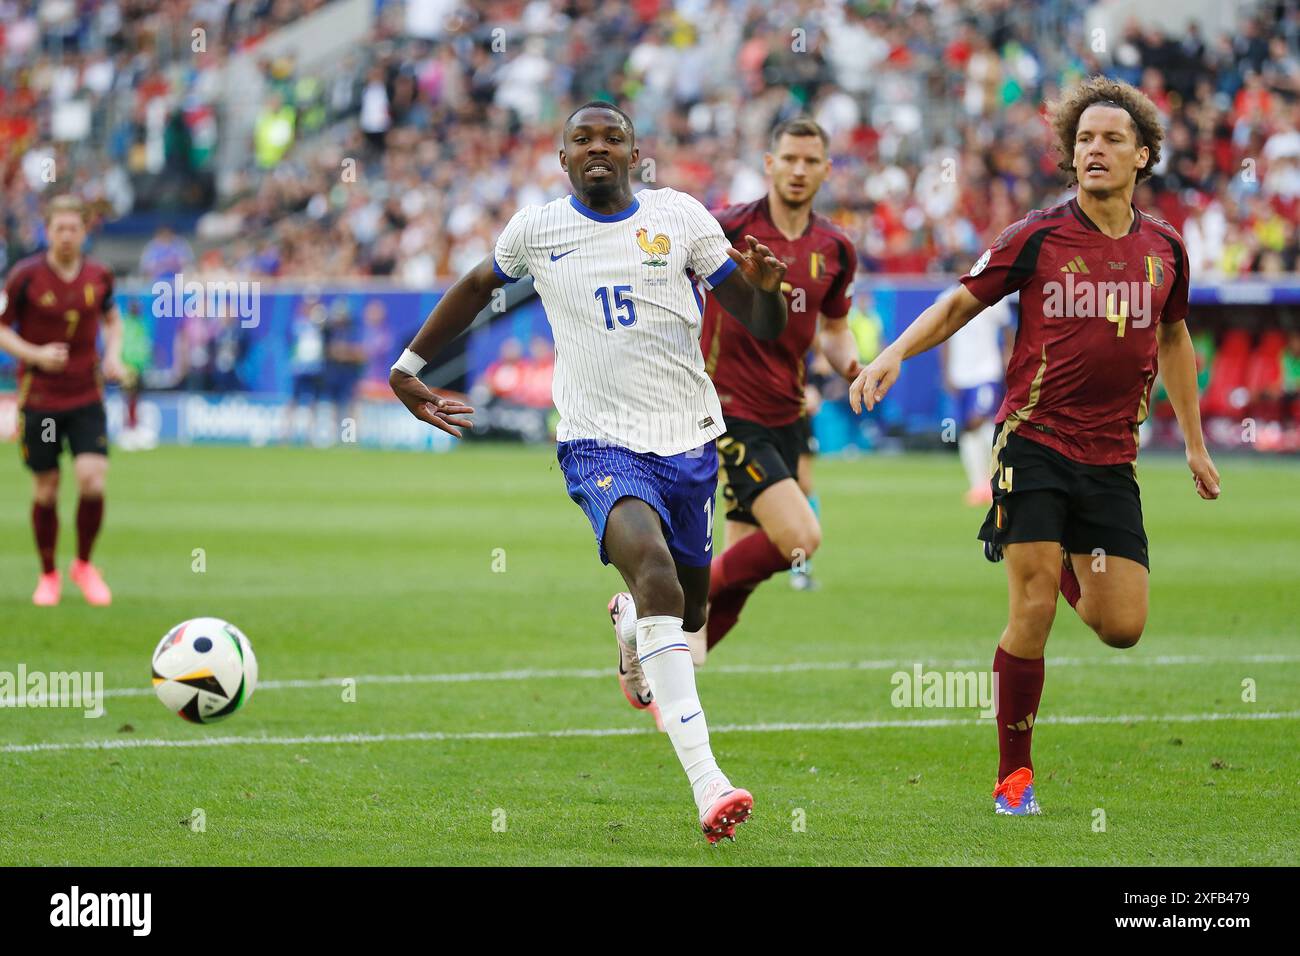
(693, 716)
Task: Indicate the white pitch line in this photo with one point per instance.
(765, 728)
(796, 667)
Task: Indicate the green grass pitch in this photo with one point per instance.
(385, 568)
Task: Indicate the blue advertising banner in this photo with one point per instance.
(257, 420)
(248, 347)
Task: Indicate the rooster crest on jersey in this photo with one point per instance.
(655, 248)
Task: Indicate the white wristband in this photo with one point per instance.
(410, 363)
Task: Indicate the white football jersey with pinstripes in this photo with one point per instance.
(625, 315)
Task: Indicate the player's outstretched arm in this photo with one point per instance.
(1177, 360)
(453, 314)
(839, 346)
(752, 293)
(936, 324)
(111, 365)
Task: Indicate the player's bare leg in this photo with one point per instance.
(1113, 597)
(1033, 581)
(698, 638)
(623, 614)
(634, 541)
(787, 518)
(45, 525)
(801, 572)
(734, 531)
(790, 532)
(92, 472)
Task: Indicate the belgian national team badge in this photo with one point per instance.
(90, 294)
(816, 265)
(1155, 270)
(656, 248)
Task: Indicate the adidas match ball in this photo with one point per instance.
(204, 669)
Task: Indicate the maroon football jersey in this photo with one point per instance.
(764, 381)
(43, 308)
(1080, 375)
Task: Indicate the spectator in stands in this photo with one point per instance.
(227, 351)
(1291, 378)
(504, 377)
(306, 363)
(377, 343)
(273, 133)
(538, 372)
(165, 255)
(192, 352)
(345, 359)
(375, 118)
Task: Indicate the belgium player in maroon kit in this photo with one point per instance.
(1103, 298)
(770, 523)
(53, 308)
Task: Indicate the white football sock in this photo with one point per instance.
(985, 433)
(971, 454)
(666, 660)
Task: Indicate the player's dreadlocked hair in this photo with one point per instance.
(1101, 91)
(603, 105)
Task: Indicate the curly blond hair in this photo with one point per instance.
(1064, 116)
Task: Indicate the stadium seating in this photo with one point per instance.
(1227, 393)
(894, 88)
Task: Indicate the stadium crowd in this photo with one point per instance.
(405, 160)
(449, 137)
(117, 100)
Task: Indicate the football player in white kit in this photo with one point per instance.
(638, 414)
(974, 367)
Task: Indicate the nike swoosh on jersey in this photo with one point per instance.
(555, 258)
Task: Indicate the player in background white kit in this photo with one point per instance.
(638, 414)
(974, 370)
